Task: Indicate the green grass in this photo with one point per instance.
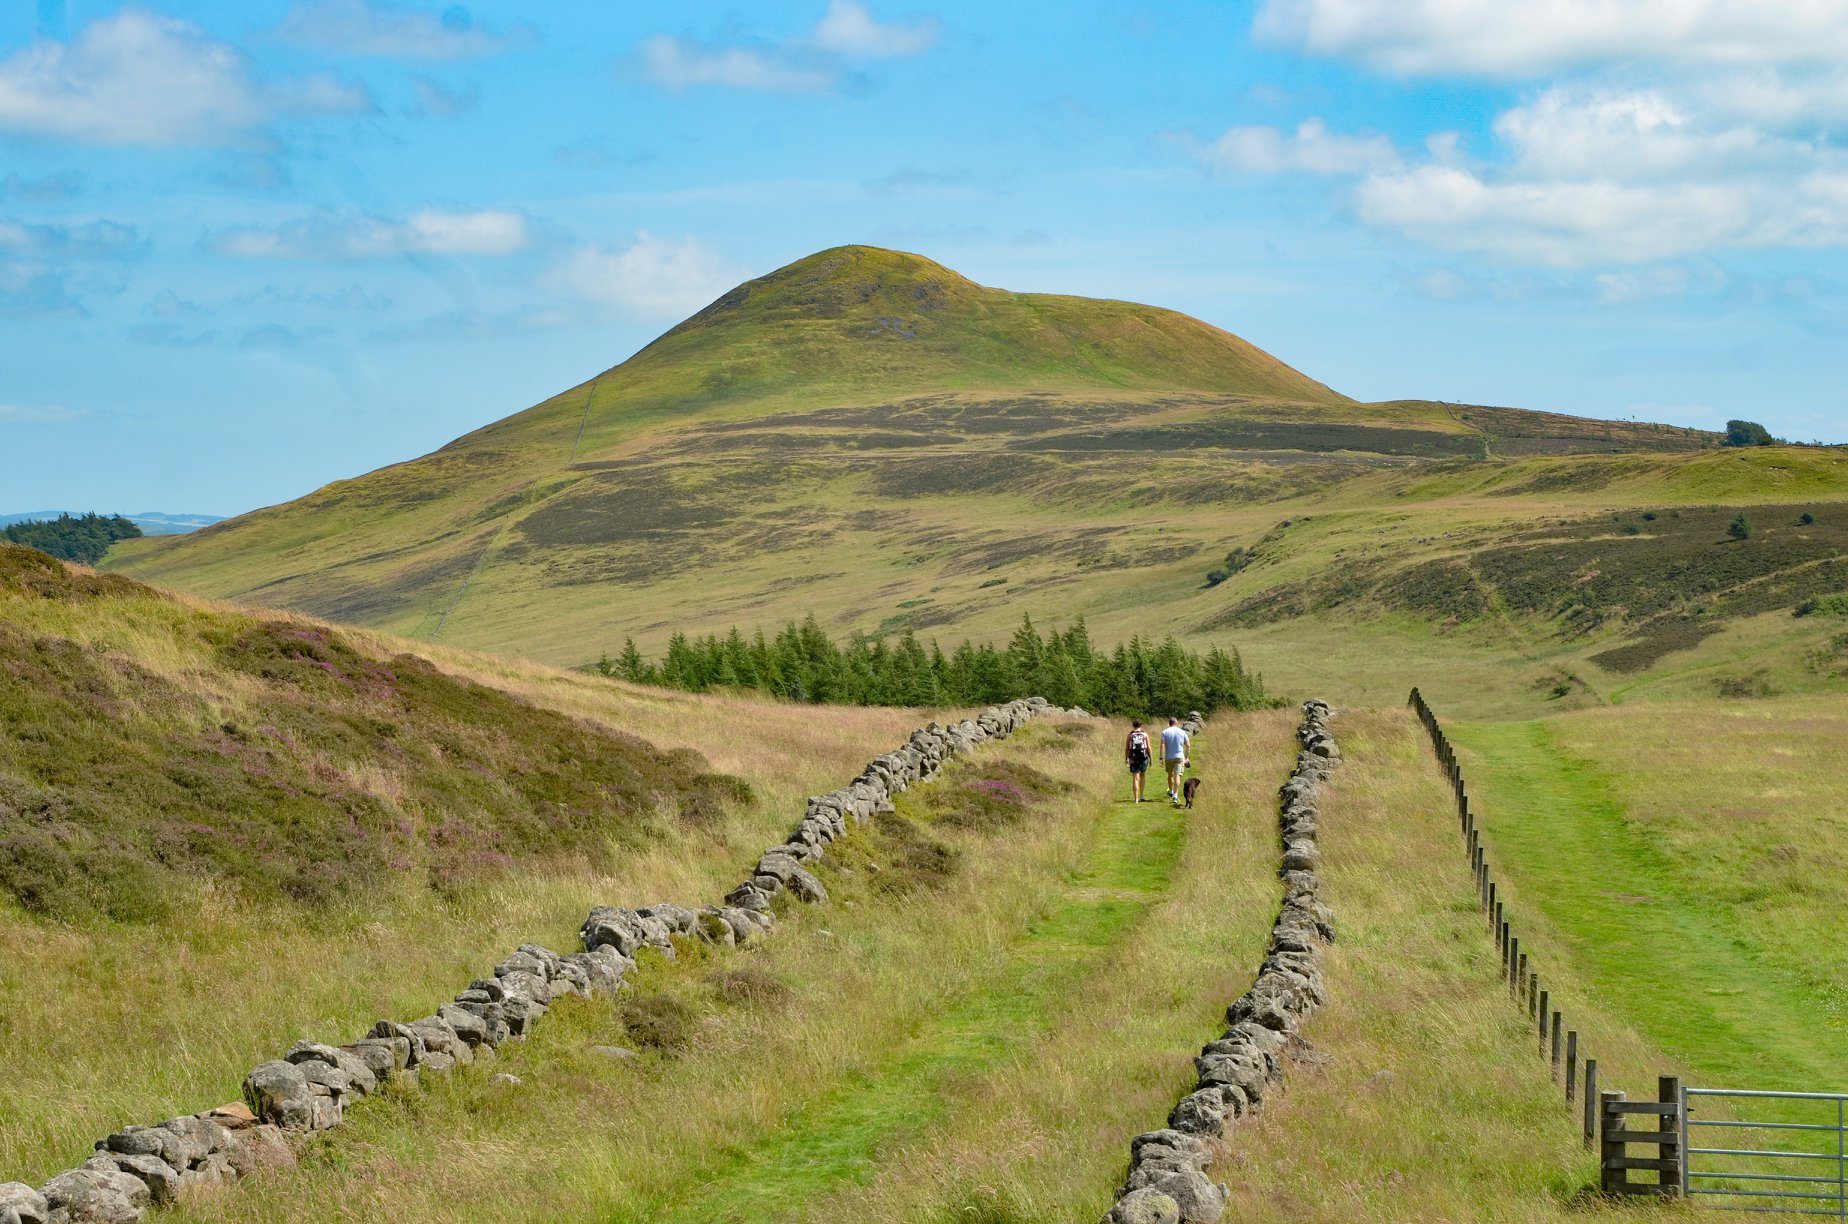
(1690, 858)
(838, 1138)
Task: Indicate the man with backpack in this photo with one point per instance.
(1137, 751)
(1174, 743)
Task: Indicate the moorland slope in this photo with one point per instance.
(868, 436)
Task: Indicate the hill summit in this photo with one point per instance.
(877, 320)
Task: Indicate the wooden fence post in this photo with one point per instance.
(1555, 1068)
(1520, 965)
(1591, 1100)
(1542, 1013)
(1611, 1179)
(1571, 1064)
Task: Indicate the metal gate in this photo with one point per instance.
(1790, 1153)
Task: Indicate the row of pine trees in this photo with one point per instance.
(801, 663)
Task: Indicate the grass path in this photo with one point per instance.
(1677, 961)
(841, 1136)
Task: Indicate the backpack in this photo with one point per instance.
(1139, 748)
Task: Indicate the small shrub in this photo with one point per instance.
(994, 797)
(913, 859)
(1649, 516)
(660, 1022)
(1743, 686)
(1632, 529)
(1805, 519)
(1823, 605)
(707, 797)
(1748, 433)
(1740, 528)
(1216, 576)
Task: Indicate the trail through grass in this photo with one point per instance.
(1681, 961)
(840, 1136)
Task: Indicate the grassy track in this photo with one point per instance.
(1668, 879)
(976, 1052)
(840, 1136)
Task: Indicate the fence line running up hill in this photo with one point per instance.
(1520, 966)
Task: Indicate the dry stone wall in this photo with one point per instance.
(310, 1087)
(1167, 1182)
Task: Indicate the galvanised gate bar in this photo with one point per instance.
(1795, 1162)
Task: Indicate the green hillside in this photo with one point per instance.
(867, 436)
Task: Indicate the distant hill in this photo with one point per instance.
(151, 522)
(871, 437)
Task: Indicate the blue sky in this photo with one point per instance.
(249, 248)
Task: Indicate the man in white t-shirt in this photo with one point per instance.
(1174, 755)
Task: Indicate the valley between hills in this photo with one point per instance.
(323, 763)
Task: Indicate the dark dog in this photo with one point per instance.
(1189, 789)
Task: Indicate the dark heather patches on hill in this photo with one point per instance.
(1256, 435)
(1672, 574)
(1663, 637)
(354, 594)
(604, 510)
(809, 440)
(957, 475)
(337, 772)
(1519, 433)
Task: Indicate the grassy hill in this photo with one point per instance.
(869, 436)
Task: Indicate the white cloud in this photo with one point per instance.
(1631, 135)
(678, 64)
(805, 64)
(650, 278)
(137, 78)
(330, 236)
(357, 27)
(1573, 222)
(28, 414)
(850, 29)
(1311, 149)
(1534, 37)
(1589, 176)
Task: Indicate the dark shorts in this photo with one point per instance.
(1139, 767)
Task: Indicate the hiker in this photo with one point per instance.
(1138, 752)
(1174, 743)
